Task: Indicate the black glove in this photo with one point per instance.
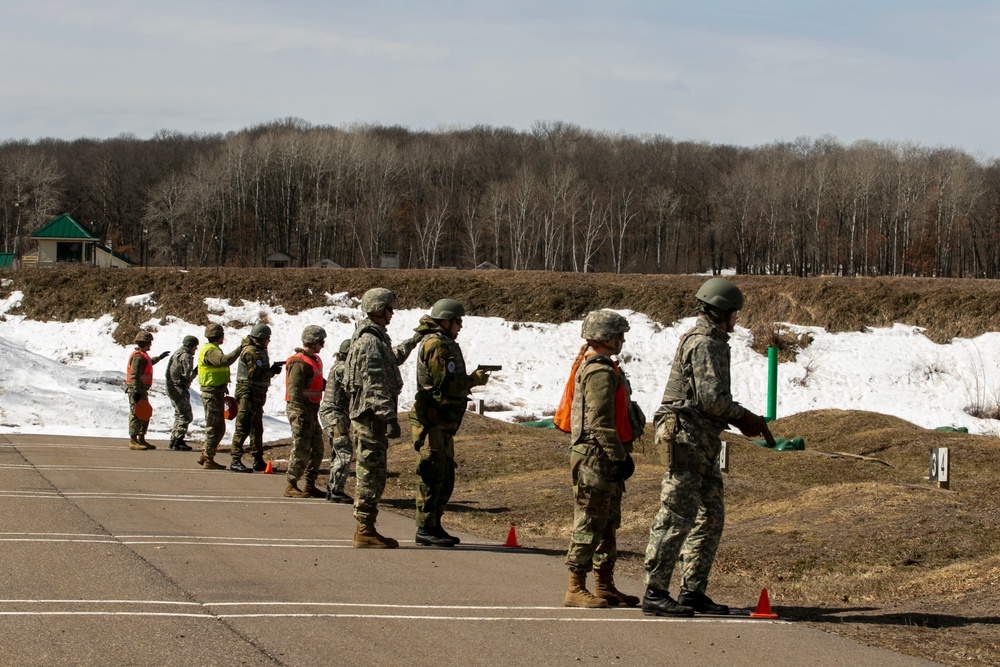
(622, 470)
(392, 428)
(750, 424)
(163, 356)
(276, 367)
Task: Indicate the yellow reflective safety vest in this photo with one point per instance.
(211, 376)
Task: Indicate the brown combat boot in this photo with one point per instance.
(142, 441)
(577, 594)
(292, 491)
(366, 537)
(136, 445)
(604, 588)
(311, 489)
(209, 463)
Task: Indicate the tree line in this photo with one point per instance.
(554, 198)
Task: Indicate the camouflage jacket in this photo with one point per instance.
(253, 372)
(442, 382)
(181, 371)
(335, 402)
(300, 376)
(698, 390)
(371, 375)
(593, 413)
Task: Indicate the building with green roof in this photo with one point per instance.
(64, 240)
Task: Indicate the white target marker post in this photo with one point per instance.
(939, 467)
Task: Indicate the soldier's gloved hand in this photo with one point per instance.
(622, 470)
(392, 428)
(276, 368)
(480, 377)
(161, 357)
(750, 424)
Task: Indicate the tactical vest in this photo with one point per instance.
(243, 373)
(146, 377)
(211, 376)
(424, 381)
(314, 392)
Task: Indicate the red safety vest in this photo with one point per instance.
(147, 371)
(314, 392)
(562, 417)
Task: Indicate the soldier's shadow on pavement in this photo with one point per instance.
(845, 615)
(410, 504)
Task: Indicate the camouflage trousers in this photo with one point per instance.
(597, 512)
(687, 526)
(183, 416)
(370, 446)
(214, 402)
(307, 444)
(435, 469)
(136, 426)
(249, 423)
(341, 454)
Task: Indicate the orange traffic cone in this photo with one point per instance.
(512, 539)
(268, 469)
(763, 607)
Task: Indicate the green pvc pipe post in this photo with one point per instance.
(772, 384)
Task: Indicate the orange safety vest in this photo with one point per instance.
(314, 392)
(147, 372)
(623, 427)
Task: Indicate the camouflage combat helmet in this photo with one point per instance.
(447, 309)
(260, 331)
(720, 294)
(376, 299)
(345, 345)
(603, 325)
(313, 334)
(143, 337)
(213, 331)
(189, 341)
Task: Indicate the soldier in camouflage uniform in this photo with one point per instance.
(138, 380)
(253, 377)
(603, 424)
(303, 391)
(442, 395)
(336, 424)
(373, 382)
(697, 406)
(213, 376)
(181, 372)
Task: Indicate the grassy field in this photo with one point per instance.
(846, 535)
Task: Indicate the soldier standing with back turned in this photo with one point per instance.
(337, 425)
(373, 382)
(213, 376)
(138, 380)
(697, 406)
(253, 377)
(181, 372)
(442, 395)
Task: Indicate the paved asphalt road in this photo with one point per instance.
(114, 557)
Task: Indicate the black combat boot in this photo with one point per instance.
(258, 463)
(182, 446)
(237, 465)
(659, 603)
(338, 497)
(441, 532)
(701, 603)
(428, 537)
(173, 443)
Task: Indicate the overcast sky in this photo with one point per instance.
(727, 71)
